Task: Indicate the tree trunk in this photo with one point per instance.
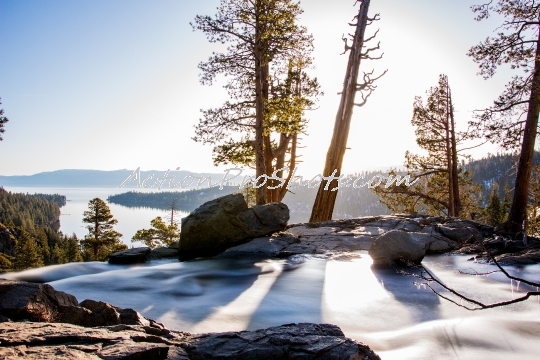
(292, 164)
(260, 168)
(323, 206)
(455, 177)
(518, 211)
(448, 146)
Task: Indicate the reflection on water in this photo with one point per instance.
(379, 307)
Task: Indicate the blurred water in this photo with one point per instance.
(382, 308)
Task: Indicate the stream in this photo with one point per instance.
(380, 307)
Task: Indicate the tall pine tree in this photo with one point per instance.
(440, 187)
(512, 121)
(102, 239)
(27, 252)
(268, 88)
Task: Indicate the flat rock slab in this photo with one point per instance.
(291, 341)
(28, 340)
(346, 235)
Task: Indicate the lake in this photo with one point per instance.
(129, 219)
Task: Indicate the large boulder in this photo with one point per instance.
(291, 341)
(35, 302)
(21, 300)
(227, 221)
(397, 247)
(130, 256)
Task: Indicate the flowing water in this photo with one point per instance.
(384, 309)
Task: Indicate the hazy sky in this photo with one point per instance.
(113, 84)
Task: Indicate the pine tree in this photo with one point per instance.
(159, 235)
(267, 48)
(512, 121)
(102, 239)
(72, 250)
(439, 185)
(27, 253)
(58, 255)
(494, 211)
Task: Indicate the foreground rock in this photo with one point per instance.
(30, 340)
(292, 341)
(226, 222)
(130, 256)
(20, 300)
(397, 247)
(35, 302)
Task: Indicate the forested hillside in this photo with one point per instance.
(500, 169)
(29, 235)
(183, 200)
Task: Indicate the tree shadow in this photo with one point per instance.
(295, 296)
(422, 303)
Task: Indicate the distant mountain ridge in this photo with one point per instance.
(80, 178)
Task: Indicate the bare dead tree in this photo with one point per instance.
(326, 198)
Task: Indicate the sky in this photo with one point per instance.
(113, 84)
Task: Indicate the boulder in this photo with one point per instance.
(42, 303)
(35, 302)
(130, 256)
(291, 341)
(397, 247)
(434, 243)
(460, 233)
(164, 253)
(227, 221)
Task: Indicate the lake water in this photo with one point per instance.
(129, 219)
(386, 310)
